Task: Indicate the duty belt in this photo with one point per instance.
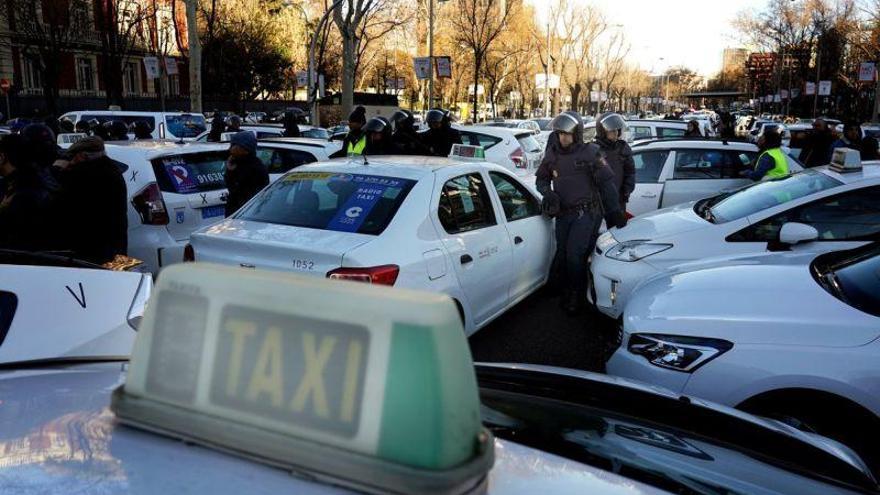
(592, 206)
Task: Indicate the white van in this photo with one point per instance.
(165, 125)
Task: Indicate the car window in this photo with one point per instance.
(640, 132)
(851, 215)
(589, 133)
(128, 119)
(649, 165)
(771, 193)
(267, 134)
(192, 172)
(365, 204)
(280, 160)
(478, 139)
(516, 201)
(316, 133)
(465, 205)
(711, 164)
(852, 276)
(669, 132)
(529, 143)
(8, 305)
(185, 126)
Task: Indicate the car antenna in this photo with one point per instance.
(364, 154)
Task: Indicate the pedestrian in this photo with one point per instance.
(440, 135)
(142, 130)
(233, 123)
(817, 148)
(83, 127)
(291, 128)
(218, 127)
(92, 205)
(693, 130)
(771, 163)
(378, 133)
(617, 153)
(24, 198)
(115, 130)
(405, 139)
(852, 138)
(41, 149)
(355, 141)
(579, 189)
(245, 174)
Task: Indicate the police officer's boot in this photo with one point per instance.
(574, 302)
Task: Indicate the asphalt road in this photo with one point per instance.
(537, 331)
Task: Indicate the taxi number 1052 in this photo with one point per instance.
(303, 265)
(295, 369)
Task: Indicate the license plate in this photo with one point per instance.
(213, 211)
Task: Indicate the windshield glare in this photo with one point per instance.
(771, 193)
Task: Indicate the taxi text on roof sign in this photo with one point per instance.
(467, 152)
(369, 387)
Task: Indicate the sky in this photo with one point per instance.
(692, 33)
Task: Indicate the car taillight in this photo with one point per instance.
(382, 275)
(150, 206)
(519, 158)
(189, 254)
(629, 215)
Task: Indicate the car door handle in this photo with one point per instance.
(517, 240)
(465, 259)
(649, 195)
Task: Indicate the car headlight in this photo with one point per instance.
(635, 250)
(605, 242)
(677, 353)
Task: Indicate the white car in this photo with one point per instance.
(674, 171)
(270, 131)
(816, 210)
(281, 155)
(173, 189)
(54, 308)
(164, 125)
(438, 224)
(531, 125)
(517, 150)
(792, 336)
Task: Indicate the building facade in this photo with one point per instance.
(734, 59)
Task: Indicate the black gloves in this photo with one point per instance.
(550, 205)
(616, 219)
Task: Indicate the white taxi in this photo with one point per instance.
(817, 210)
(469, 229)
(232, 389)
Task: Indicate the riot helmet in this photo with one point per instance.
(437, 116)
(610, 122)
(569, 122)
(403, 120)
(142, 130)
(378, 125)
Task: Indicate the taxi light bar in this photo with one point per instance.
(467, 152)
(381, 275)
(846, 160)
(369, 388)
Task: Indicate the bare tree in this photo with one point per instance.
(614, 55)
(349, 19)
(580, 30)
(377, 24)
(477, 24)
(194, 50)
(122, 25)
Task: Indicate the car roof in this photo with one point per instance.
(126, 112)
(405, 167)
(658, 121)
(302, 141)
(497, 131)
(870, 171)
(705, 143)
(164, 146)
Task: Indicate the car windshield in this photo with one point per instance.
(766, 194)
(365, 204)
(317, 133)
(852, 276)
(192, 172)
(185, 126)
(529, 143)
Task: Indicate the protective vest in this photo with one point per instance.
(781, 168)
(358, 147)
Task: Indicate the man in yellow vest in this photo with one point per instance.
(771, 163)
(356, 140)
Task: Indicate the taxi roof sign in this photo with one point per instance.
(846, 160)
(367, 387)
(467, 152)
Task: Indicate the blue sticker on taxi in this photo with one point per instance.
(213, 211)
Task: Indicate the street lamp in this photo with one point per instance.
(313, 82)
(431, 51)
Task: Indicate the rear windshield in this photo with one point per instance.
(365, 204)
(529, 143)
(316, 133)
(192, 172)
(768, 194)
(280, 160)
(185, 126)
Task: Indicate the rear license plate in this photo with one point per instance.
(213, 211)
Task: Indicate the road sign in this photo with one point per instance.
(171, 66)
(866, 72)
(444, 67)
(810, 89)
(5, 85)
(824, 88)
(151, 66)
(423, 67)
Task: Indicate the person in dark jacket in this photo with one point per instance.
(405, 139)
(83, 127)
(218, 127)
(42, 151)
(575, 175)
(440, 135)
(25, 199)
(245, 174)
(618, 154)
(693, 130)
(233, 123)
(378, 133)
(92, 204)
(291, 128)
(817, 149)
(142, 130)
(852, 138)
(355, 141)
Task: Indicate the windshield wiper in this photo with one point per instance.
(60, 362)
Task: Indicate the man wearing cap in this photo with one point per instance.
(355, 141)
(92, 206)
(24, 198)
(245, 174)
(575, 173)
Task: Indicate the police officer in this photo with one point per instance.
(406, 140)
(440, 136)
(574, 177)
(233, 124)
(83, 127)
(378, 135)
(355, 141)
(291, 129)
(142, 130)
(218, 127)
(116, 130)
(771, 163)
(617, 153)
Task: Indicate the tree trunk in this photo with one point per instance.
(195, 57)
(349, 64)
(478, 62)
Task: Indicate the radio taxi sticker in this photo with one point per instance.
(181, 176)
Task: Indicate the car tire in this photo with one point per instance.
(825, 414)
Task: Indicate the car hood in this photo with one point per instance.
(759, 299)
(662, 224)
(59, 436)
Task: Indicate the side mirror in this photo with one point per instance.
(795, 233)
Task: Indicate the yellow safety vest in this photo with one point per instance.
(358, 147)
(781, 168)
